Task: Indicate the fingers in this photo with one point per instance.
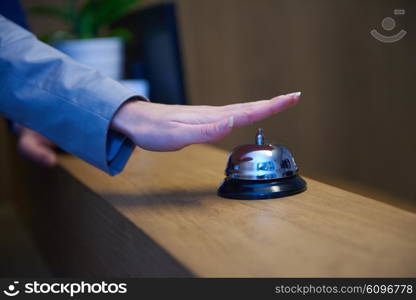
(237, 106)
(37, 148)
(262, 110)
(245, 113)
(207, 133)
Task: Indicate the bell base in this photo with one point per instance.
(261, 189)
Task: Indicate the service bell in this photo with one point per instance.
(261, 171)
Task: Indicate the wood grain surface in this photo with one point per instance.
(171, 198)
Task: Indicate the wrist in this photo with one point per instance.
(123, 118)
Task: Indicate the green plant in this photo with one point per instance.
(90, 19)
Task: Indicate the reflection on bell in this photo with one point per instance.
(259, 171)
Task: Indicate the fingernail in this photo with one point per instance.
(231, 122)
(297, 94)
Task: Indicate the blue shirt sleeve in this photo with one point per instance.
(69, 103)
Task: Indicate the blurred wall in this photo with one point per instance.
(355, 124)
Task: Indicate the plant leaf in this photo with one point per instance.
(122, 33)
(111, 10)
(91, 18)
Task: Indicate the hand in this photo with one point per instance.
(36, 147)
(160, 127)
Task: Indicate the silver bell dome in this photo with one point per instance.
(261, 171)
(260, 161)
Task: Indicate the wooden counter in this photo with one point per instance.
(161, 217)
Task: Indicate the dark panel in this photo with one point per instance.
(154, 54)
